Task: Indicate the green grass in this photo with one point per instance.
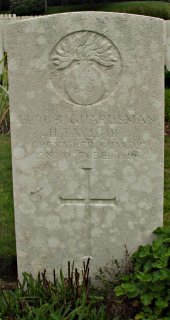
(7, 233)
(167, 182)
(149, 8)
(4, 99)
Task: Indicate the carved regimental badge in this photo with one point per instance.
(85, 67)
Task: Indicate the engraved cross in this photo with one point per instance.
(88, 200)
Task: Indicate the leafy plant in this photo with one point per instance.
(60, 299)
(4, 98)
(110, 277)
(149, 285)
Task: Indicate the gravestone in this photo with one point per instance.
(4, 20)
(86, 99)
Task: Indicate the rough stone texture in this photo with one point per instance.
(86, 97)
(4, 20)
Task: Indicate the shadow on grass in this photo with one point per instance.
(8, 268)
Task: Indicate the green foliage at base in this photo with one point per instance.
(167, 182)
(59, 299)
(27, 7)
(149, 285)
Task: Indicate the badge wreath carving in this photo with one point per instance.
(85, 67)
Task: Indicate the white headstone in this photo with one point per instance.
(4, 20)
(86, 97)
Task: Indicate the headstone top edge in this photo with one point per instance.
(85, 13)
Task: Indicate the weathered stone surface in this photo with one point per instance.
(86, 97)
(4, 20)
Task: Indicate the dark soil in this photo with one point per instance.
(8, 272)
(167, 128)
